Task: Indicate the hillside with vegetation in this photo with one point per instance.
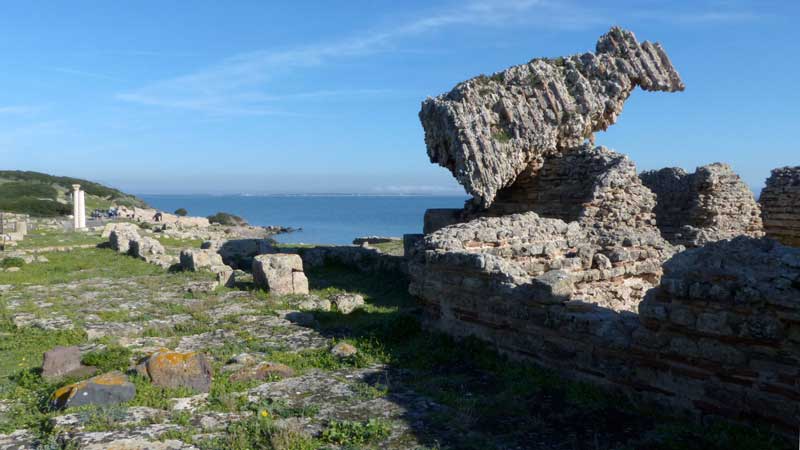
(44, 195)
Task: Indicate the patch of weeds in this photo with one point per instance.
(366, 391)
(11, 262)
(280, 409)
(356, 433)
(228, 396)
(501, 136)
(148, 394)
(498, 77)
(261, 433)
(114, 315)
(113, 357)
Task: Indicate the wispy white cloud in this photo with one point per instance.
(234, 85)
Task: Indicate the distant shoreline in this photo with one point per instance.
(305, 195)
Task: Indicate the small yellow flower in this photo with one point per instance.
(264, 413)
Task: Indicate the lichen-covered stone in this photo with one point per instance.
(711, 204)
(488, 130)
(178, 369)
(120, 238)
(107, 389)
(780, 205)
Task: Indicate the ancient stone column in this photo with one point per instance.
(76, 206)
(82, 210)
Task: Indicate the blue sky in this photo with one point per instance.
(322, 96)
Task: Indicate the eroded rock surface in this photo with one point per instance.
(489, 130)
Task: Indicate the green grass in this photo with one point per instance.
(49, 238)
(392, 248)
(80, 264)
(178, 243)
(5, 263)
(356, 433)
(113, 357)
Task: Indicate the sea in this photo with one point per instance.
(324, 219)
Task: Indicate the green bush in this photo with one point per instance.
(113, 357)
(224, 218)
(11, 262)
(181, 212)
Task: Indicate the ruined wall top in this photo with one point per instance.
(780, 204)
(487, 130)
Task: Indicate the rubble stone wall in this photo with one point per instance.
(711, 204)
(718, 336)
(586, 184)
(780, 205)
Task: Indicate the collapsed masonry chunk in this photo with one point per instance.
(591, 185)
(280, 273)
(780, 205)
(527, 258)
(709, 205)
(489, 130)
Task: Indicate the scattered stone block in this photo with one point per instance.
(146, 248)
(107, 389)
(64, 362)
(121, 237)
(314, 303)
(280, 273)
(175, 369)
(193, 259)
(347, 303)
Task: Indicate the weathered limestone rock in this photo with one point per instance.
(120, 238)
(175, 369)
(107, 389)
(347, 303)
(194, 259)
(280, 273)
(146, 248)
(780, 205)
(709, 205)
(488, 130)
(109, 227)
(64, 362)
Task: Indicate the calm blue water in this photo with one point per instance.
(324, 219)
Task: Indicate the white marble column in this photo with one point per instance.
(76, 206)
(82, 212)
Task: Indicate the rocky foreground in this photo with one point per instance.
(175, 362)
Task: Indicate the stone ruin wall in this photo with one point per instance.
(780, 204)
(560, 259)
(697, 345)
(711, 204)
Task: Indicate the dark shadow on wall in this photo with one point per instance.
(462, 394)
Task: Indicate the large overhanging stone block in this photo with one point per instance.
(488, 130)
